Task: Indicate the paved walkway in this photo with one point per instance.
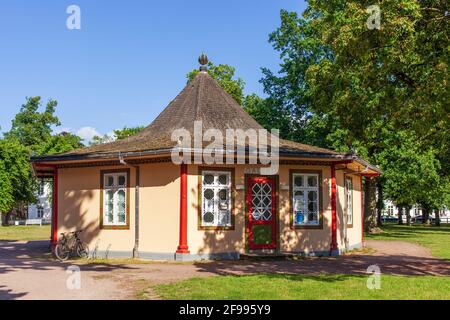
(23, 276)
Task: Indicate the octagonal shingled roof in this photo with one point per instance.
(202, 99)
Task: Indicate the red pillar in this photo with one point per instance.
(362, 212)
(334, 244)
(183, 246)
(55, 208)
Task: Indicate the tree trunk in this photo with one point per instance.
(408, 215)
(437, 218)
(380, 202)
(400, 215)
(425, 215)
(370, 204)
(5, 217)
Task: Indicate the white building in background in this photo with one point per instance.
(391, 211)
(43, 208)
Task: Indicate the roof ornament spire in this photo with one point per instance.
(203, 60)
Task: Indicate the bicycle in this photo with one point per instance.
(71, 243)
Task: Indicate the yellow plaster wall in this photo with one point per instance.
(79, 208)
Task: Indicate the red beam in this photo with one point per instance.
(183, 246)
(342, 162)
(334, 244)
(376, 174)
(55, 208)
(54, 229)
(45, 165)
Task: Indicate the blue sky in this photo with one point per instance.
(130, 58)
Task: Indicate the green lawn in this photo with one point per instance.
(299, 287)
(25, 233)
(435, 238)
(327, 286)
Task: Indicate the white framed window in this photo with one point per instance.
(349, 199)
(115, 199)
(306, 199)
(216, 198)
(41, 187)
(40, 211)
(390, 210)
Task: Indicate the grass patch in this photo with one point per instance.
(435, 238)
(361, 251)
(142, 295)
(24, 233)
(300, 287)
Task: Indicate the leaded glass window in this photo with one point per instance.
(305, 199)
(349, 195)
(114, 198)
(216, 199)
(262, 201)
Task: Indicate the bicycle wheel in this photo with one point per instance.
(62, 252)
(82, 250)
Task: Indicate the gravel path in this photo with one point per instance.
(399, 249)
(23, 276)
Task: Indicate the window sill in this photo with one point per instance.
(225, 228)
(307, 226)
(114, 227)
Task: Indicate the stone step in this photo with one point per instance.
(270, 256)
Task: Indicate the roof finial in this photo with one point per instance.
(203, 60)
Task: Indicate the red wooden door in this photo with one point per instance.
(261, 204)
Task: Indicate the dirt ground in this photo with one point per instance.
(25, 274)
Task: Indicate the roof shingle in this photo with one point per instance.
(202, 99)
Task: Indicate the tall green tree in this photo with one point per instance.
(411, 174)
(397, 74)
(31, 133)
(60, 143)
(265, 114)
(101, 139)
(34, 129)
(349, 82)
(118, 134)
(31, 127)
(17, 186)
(260, 109)
(6, 194)
(126, 132)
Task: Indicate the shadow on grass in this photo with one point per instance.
(327, 278)
(305, 287)
(264, 286)
(401, 231)
(347, 265)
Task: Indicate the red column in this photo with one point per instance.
(55, 208)
(183, 246)
(334, 244)
(362, 211)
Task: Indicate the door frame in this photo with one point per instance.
(276, 214)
